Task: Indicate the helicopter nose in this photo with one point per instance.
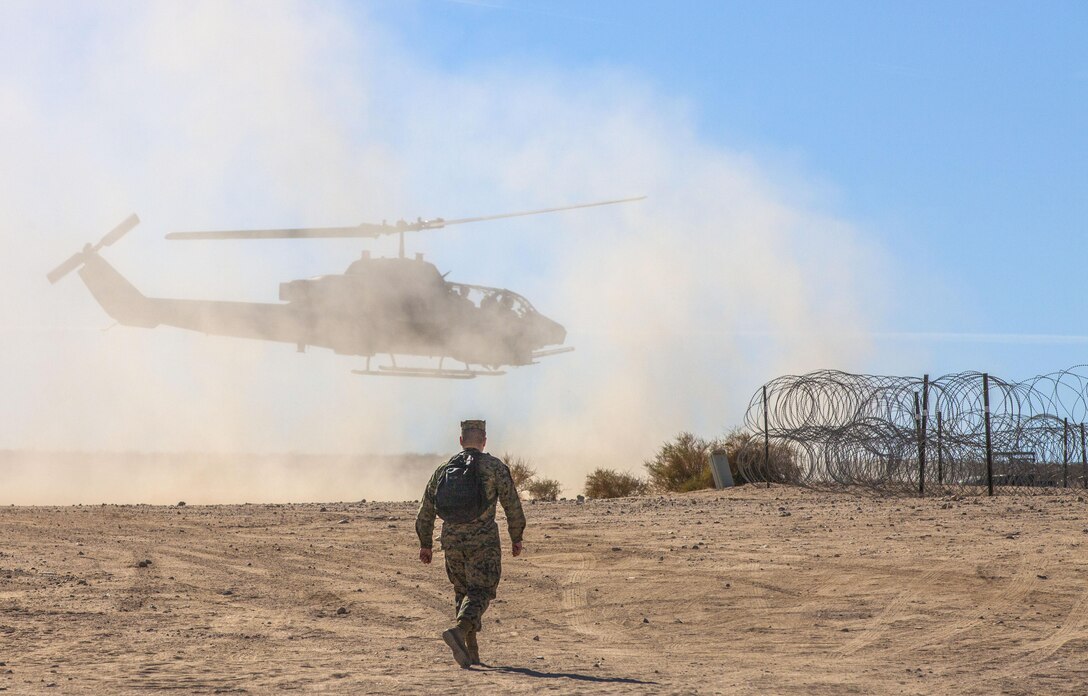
(551, 332)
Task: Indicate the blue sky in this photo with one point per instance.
(953, 132)
(872, 187)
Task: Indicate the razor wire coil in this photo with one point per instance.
(901, 435)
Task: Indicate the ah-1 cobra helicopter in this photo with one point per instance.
(379, 306)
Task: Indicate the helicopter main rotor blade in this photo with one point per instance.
(446, 223)
(372, 230)
(364, 230)
(120, 231)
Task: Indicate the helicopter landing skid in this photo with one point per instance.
(439, 373)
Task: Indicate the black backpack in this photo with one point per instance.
(460, 496)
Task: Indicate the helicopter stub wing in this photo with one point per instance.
(370, 230)
(551, 351)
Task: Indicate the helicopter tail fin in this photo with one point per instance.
(118, 297)
(116, 294)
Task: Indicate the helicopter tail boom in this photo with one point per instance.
(129, 307)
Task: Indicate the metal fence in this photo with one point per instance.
(967, 432)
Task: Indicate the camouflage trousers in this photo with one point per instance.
(475, 574)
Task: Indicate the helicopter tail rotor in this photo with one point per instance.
(73, 262)
(76, 260)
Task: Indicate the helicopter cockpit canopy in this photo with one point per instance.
(498, 299)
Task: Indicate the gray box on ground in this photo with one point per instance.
(719, 468)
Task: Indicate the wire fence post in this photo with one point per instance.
(918, 442)
(940, 452)
(766, 440)
(1065, 453)
(1083, 455)
(925, 435)
(989, 444)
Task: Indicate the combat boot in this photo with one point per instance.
(473, 648)
(455, 638)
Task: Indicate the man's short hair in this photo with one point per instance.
(474, 430)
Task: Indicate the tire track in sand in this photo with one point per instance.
(1075, 626)
(1020, 586)
(576, 598)
(891, 612)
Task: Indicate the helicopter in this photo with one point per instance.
(395, 306)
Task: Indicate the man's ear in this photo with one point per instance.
(462, 440)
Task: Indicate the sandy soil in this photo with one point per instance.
(749, 591)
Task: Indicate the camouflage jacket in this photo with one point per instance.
(483, 531)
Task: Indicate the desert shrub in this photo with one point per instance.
(520, 470)
(544, 489)
(682, 464)
(525, 479)
(608, 483)
(748, 462)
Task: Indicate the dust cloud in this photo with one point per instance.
(134, 478)
(209, 116)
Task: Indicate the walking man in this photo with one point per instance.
(463, 492)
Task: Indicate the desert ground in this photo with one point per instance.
(745, 591)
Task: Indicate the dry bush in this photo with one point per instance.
(682, 465)
(525, 479)
(520, 470)
(608, 483)
(749, 464)
(544, 489)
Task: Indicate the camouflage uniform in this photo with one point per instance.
(473, 556)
